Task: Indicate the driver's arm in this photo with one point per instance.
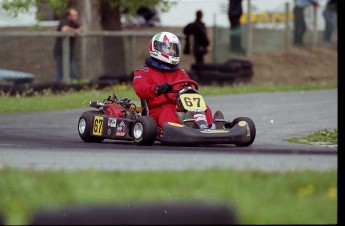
(142, 85)
(67, 28)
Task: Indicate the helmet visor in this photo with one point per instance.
(169, 48)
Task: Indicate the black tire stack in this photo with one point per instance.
(233, 71)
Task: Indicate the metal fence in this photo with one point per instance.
(121, 52)
(271, 35)
(33, 51)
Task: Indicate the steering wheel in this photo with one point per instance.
(188, 82)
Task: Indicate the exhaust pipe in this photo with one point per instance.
(96, 104)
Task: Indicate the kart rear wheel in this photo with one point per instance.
(144, 130)
(85, 124)
(252, 130)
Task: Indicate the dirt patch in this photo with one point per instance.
(313, 65)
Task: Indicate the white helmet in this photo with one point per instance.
(165, 46)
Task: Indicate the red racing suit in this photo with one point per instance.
(161, 108)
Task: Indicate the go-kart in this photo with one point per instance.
(123, 120)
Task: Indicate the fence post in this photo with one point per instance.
(133, 50)
(315, 34)
(287, 26)
(215, 41)
(249, 49)
(65, 58)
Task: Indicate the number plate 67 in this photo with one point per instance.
(193, 102)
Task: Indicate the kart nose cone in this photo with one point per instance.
(82, 126)
(138, 130)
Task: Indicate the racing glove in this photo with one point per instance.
(163, 88)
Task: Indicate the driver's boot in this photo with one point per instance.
(218, 120)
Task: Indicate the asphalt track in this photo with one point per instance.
(50, 140)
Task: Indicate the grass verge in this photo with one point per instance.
(294, 197)
(324, 136)
(75, 100)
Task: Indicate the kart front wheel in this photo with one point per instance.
(144, 130)
(252, 130)
(85, 124)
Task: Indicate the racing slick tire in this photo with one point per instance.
(144, 130)
(252, 130)
(85, 127)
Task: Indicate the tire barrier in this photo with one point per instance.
(155, 214)
(30, 89)
(116, 78)
(231, 71)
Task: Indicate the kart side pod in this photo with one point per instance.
(239, 134)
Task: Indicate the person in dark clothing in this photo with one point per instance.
(67, 24)
(149, 15)
(300, 26)
(234, 13)
(330, 15)
(198, 30)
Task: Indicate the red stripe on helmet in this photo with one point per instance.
(165, 39)
(164, 55)
(150, 47)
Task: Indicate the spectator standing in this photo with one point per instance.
(234, 13)
(69, 23)
(300, 26)
(150, 15)
(198, 30)
(331, 16)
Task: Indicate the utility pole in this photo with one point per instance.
(249, 49)
(91, 47)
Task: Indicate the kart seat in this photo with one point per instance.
(145, 110)
(144, 107)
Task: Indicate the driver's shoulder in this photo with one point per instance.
(183, 74)
(142, 69)
(141, 72)
(181, 70)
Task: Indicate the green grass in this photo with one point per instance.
(326, 136)
(295, 197)
(74, 100)
(257, 88)
(62, 101)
